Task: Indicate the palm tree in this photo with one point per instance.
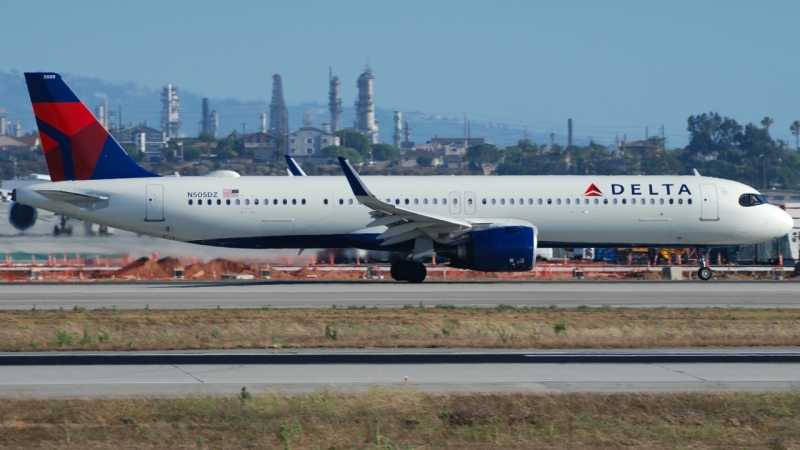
(795, 129)
(766, 122)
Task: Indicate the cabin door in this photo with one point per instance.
(154, 210)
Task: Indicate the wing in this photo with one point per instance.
(294, 168)
(404, 224)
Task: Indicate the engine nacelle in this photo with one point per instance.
(510, 248)
(22, 216)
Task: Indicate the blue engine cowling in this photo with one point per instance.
(22, 216)
(499, 249)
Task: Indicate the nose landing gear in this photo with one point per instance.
(704, 273)
(411, 271)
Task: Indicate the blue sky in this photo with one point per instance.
(612, 66)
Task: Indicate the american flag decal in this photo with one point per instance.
(228, 193)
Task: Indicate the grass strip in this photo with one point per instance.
(419, 327)
(406, 419)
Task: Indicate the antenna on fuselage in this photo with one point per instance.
(696, 173)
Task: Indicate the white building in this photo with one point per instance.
(306, 144)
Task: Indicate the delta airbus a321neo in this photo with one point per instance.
(490, 224)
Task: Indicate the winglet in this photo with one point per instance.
(294, 168)
(358, 186)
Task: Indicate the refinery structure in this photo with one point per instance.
(365, 107)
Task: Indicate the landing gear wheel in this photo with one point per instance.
(399, 269)
(704, 273)
(416, 272)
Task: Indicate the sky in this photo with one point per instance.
(611, 66)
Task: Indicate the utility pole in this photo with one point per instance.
(569, 134)
(526, 134)
(646, 133)
(552, 139)
(663, 138)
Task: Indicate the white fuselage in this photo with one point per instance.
(288, 212)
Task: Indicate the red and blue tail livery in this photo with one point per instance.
(76, 146)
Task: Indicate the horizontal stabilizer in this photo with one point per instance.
(70, 197)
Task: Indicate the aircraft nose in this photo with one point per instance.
(784, 222)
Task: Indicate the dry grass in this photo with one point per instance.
(382, 419)
(502, 327)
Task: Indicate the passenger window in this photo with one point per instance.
(455, 201)
(540, 201)
(444, 201)
(303, 201)
(549, 201)
(596, 201)
(255, 202)
(275, 201)
(614, 201)
(237, 201)
(483, 201)
(350, 201)
(190, 201)
(661, 201)
(219, 202)
(469, 202)
(680, 201)
(341, 201)
(652, 201)
(424, 201)
(397, 201)
(577, 202)
(285, 201)
(228, 201)
(633, 201)
(605, 201)
(689, 201)
(511, 201)
(407, 201)
(558, 201)
(502, 201)
(246, 201)
(530, 201)
(416, 201)
(434, 201)
(522, 201)
(494, 201)
(671, 201)
(624, 201)
(325, 201)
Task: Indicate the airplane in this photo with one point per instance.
(294, 169)
(483, 223)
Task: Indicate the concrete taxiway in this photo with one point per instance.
(179, 295)
(602, 375)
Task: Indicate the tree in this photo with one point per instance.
(335, 151)
(766, 122)
(795, 129)
(482, 156)
(510, 168)
(385, 152)
(424, 161)
(206, 137)
(355, 140)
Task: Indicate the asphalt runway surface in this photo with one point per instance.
(182, 295)
(537, 373)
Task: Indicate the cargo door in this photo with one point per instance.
(709, 208)
(469, 202)
(455, 203)
(154, 210)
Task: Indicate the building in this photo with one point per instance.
(262, 143)
(149, 142)
(306, 144)
(18, 147)
(453, 151)
(366, 123)
(170, 112)
(410, 159)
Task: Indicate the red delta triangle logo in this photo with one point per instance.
(593, 191)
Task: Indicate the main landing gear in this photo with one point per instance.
(704, 273)
(411, 271)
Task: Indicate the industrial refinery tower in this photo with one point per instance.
(278, 116)
(170, 113)
(365, 108)
(209, 124)
(335, 104)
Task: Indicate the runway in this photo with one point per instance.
(180, 295)
(601, 375)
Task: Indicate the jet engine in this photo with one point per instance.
(510, 248)
(22, 216)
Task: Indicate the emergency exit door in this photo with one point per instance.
(154, 208)
(709, 207)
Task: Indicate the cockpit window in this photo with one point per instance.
(752, 199)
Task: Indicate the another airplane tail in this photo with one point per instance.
(76, 146)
